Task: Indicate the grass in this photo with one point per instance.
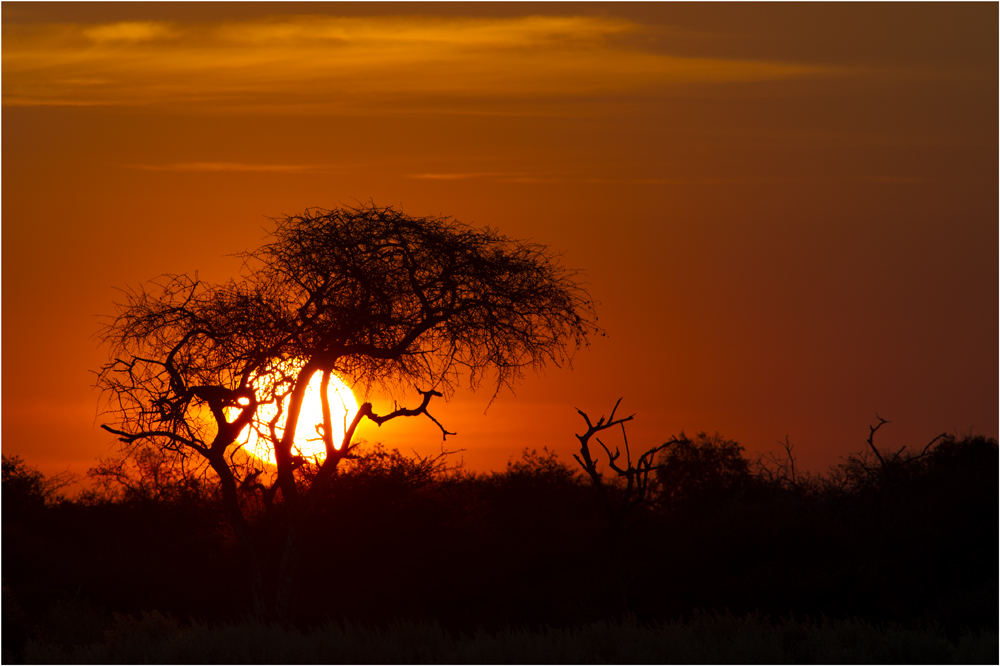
(155, 638)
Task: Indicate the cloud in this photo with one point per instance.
(128, 31)
(323, 64)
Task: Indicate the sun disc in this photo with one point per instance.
(308, 441)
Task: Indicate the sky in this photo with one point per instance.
(786, 213)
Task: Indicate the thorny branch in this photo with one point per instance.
(896, 457)
(636, 475)
(871, 437)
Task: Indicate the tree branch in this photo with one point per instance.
(871, 437)
(422, 409)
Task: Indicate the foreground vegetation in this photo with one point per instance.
(153, 638)
(887, 558)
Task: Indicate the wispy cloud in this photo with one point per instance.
(128, 32)
(327, 63)
(767, 180)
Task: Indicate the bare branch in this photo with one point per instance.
(421, 409)
(871, 437)
(929, 445)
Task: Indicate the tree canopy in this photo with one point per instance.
(375, 296)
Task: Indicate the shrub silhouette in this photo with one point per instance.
(26, 490)
(413, 539)
(702, 473)
(149, 475)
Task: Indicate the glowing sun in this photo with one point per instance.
(308, 442)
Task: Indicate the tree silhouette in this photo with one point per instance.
(623, 493)
(26, 490)
(150, 475)
(379, 298)
(618, 502)
(702, 473)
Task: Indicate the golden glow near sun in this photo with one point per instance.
(308, 442)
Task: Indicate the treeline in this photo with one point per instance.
(908, 538)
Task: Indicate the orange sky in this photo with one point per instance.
(787, 213)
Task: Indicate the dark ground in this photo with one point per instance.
(909, 545)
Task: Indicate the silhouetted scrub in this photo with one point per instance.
(26, 491)
(155, 638)
(414, 541)
(703, 473)
(461, 547)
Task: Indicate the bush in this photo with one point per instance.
(155, 638)
(702, 474)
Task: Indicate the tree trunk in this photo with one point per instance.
(298, 527)
(288, 572)
(234, 514)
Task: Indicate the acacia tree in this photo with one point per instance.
(379, 298)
